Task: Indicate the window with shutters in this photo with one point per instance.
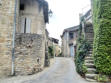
(25, 25)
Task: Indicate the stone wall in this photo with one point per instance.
(6, 33)
(34, 14)
(65, 45)
(30, 54)
(89, 34)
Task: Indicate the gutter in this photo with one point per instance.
(13, 40)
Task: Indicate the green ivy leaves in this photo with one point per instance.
(102, 35)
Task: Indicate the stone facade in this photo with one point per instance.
(87, 27)
(31, 17)
(55, 44)
(6, 34)
(57, 50)
(69, 41)
(30, 36)
(47, 58)
(30, 53)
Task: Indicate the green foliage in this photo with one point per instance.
(102, 35)
(84, 68)
(82, 49)
(102, 78)
(51, 51)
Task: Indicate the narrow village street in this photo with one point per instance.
(55, 41)
(62, 71)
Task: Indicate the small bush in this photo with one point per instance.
(51, 51)
(102, 78)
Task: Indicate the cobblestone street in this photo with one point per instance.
(62, 71)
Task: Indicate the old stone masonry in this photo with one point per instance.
(22, 36)
(29, 55)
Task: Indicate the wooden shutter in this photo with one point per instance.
(22, 24)
(28, 25)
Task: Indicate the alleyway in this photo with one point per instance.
(63, 71)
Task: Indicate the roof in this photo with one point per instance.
(54, 40)
(47, 33)
(74, 28)
(44, 4)
(87, 13)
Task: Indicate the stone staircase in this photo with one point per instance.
(89, 60)
(91, 69)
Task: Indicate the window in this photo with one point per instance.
(25, 25)
(22, 6)
(71, 35)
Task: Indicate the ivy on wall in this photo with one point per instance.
(102, 35)
(82, 50)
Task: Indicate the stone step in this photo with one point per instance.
(90, 54)
(91, 48)
(90, 51)
(89, 61)
(91, 45)
(90, 39)
(90, 65)
(89, 58)
(91, 70)
(91, 76)
(91, 80)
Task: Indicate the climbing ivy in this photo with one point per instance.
(82, 50)
(102, 35)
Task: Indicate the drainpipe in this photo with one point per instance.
(13, 41)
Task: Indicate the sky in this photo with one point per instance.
(65, 15)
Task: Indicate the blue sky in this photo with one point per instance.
(65, 15)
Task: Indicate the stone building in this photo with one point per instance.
(69, 41)
(47, 57)
(87, 27)
(22, 36)
(53, 42)
(57, 49)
